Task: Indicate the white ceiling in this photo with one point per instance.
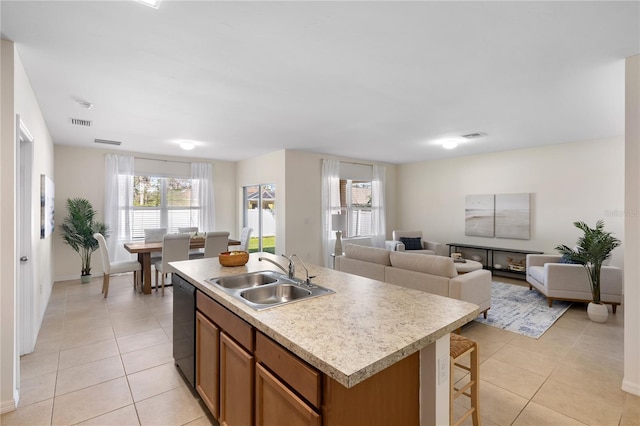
(370, 80)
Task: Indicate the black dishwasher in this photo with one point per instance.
(184, 327)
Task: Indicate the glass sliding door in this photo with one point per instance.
(260, 214)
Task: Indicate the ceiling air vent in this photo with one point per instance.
(80, 122)
(108, 142)
(474, 135)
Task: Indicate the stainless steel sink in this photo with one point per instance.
(252, 279)
(279, 293)
(266, 289)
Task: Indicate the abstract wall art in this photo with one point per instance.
(479, 215)
(46, 206)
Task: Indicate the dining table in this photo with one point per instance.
(144, 249)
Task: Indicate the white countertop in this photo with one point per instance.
(363, 328)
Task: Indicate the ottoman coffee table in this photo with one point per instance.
(468, 266)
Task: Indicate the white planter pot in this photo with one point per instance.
(597, 312)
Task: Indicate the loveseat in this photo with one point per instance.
(413, 241)
(566, 281)
(430, 273)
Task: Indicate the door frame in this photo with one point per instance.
(24, 233)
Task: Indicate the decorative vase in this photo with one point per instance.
(597, 312)
(85, 279)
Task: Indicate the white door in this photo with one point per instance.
(25, 315)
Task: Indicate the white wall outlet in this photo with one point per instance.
(443, 370)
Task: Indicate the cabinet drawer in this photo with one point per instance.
(233, 325)
(303, 378)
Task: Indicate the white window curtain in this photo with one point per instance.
(202, 195)
(330, 205)
(378, 218)
(118, 203)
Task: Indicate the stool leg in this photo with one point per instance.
(475, 388)
(451, 390)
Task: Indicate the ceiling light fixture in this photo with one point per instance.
(187, 146)
(151, 3)
(449, 144)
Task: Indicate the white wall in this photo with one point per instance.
(631, 381)
(298, 179)
(568, 182)
(265, 169)
(17, 97)
(80, 173)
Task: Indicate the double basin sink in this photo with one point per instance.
(266, 289)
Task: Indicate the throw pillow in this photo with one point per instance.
(412, 243)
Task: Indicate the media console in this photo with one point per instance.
(491, 254)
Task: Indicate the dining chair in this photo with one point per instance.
(154, 235)
(245, 235)
(193, 253)
(174, 247)
(187, 229)
(119, 267)
(216, 243)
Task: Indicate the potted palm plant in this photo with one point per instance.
(77, 230)
(591, 250)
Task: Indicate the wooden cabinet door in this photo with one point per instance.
(207, 363)
(236, 384)
(276, 405)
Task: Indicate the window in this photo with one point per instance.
(162, 202)
(355, 202)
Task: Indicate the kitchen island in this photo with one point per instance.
(365, 328)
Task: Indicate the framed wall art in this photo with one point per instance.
(478, 215)
(46, 206)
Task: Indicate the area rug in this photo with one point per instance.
(523, 311)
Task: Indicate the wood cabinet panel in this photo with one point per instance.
(277, 405)
(236, 383)
(391, 397)
(207, 363)
(232, 324)
(306, 380)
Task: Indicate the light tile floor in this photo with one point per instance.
(105, 361)
(109, 362)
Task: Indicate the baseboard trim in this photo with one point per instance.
(11, 405)
(631, 387)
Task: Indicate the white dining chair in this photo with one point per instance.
(245, 235)
(174, 247)
(216, 243)
(155, 235)
(187, 229)
(120, 267)
(193, 253)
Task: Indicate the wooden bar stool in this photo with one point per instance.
(459, 347)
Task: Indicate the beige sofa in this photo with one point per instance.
(427, 247)
(433, 274)
(563, 281)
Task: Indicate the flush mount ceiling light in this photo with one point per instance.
(151, 3)
(453, 142)
(449, 143)
(187, 146)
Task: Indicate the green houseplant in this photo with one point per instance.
(77, 230)
(591, 250)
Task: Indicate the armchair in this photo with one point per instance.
(565, 281)
(426, 247)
